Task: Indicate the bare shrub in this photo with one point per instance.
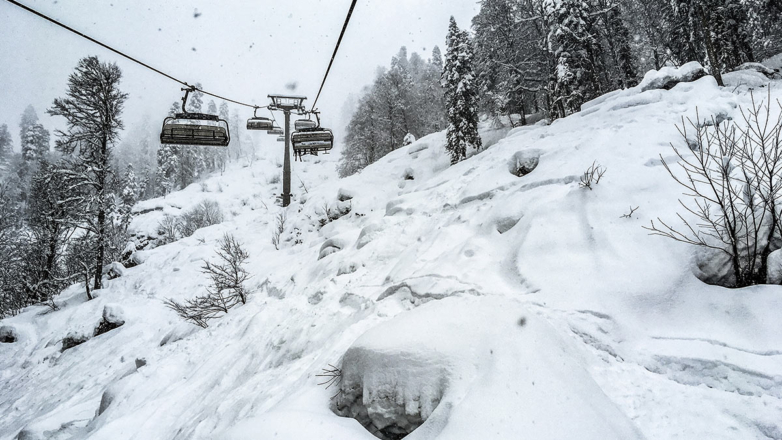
(279, 228)
(592, 176)
(226, 290)
(630, 214)
(331, 376)
(733, 174)
(167, 229)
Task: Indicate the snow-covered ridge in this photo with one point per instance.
(484, 303)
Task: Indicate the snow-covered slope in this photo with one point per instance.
(490, 305)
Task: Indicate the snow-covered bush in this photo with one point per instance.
(734, 176)
(227, 288)
(206, 213)
(329, 214)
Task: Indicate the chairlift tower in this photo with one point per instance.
(287, 104)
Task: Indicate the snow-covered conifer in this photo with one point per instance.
(6, 143)
(574, 79)
(92, 108)
(460, 95)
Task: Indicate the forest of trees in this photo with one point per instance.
(547, 57)
(65, 211)
(405, 99)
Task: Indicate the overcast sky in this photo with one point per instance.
(242, 49)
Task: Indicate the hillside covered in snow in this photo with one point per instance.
(496, 298)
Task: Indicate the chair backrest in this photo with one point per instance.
(265, 124)
(186, 129)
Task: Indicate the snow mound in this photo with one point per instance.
(667, 77)
(425, 372)
(757, 67)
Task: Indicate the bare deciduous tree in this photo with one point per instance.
(734, 177)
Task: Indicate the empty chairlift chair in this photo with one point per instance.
(276, 131)
(312, 141)
(198, 129)
(259, 122)
(280, 138)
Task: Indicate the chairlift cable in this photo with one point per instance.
(336, 48)
(47, 18)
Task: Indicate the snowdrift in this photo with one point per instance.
(490, 299)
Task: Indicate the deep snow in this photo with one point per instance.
(491, 305)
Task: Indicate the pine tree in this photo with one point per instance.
(29, 118)
(574, 80)
(92, 109)
(167, 168)
(235, 146)
(196, 100)
(211, 108)
(175, 108)
(129, 194)
(6, 143)
(616, 36)
(35, 142)
(460, 95)
(437, 59)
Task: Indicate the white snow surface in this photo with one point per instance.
(420, 300)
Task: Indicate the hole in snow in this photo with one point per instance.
(8, 334)
(523, 162)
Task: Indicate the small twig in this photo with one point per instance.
(333, 374)
(632, 210)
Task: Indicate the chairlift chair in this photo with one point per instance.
(276, 131)
(280, 138)
(198, 129)
(312, 141)
(259, 122)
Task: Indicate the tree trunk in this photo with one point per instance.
(706, 31)
(101, 214)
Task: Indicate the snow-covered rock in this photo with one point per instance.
(74, 338)
(114, 270)
(426, 371)
(667, 77)
(8, 334)
(113, 317)
(330, 246)
(523, 162)
(774, 274)
(757, 67)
